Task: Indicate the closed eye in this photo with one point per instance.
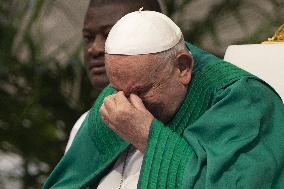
(89, 38)
(141, 91)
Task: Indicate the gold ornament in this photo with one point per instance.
(277, 37)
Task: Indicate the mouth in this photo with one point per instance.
(97, 67)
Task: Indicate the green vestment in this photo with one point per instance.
(227, 133)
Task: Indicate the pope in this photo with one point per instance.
(100, 17)
(192, 119)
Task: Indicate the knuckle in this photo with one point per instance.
(124, 118)
(123, 115)
(122, 110)
(101, 109)
(107, 99)
(114, 117)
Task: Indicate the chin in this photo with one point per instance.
(99, 86)
(99, 83)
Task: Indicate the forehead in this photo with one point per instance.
(136, 63)
(99, 17)
(126, 72)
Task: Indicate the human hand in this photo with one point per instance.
(128, 118)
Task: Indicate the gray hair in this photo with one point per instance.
(170, 55)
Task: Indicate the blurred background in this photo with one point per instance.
(43, 84)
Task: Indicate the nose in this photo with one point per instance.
(98, 46)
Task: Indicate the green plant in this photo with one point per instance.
(40, 97)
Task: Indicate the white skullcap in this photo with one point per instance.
(142, 32)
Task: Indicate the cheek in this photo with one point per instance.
(109, 72)
(153, 103)
(156, 108)
(85, 52)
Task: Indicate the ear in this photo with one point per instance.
(184, 62)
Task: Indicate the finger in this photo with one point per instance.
(109, 103)
(104, 114)
(137, 102)
(120, 98)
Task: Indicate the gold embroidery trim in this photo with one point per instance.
(277, 37)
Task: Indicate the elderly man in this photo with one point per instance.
(195, 120)
(100, 17)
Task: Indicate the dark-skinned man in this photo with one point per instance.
(197, 121)
(101, 15)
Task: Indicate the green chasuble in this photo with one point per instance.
(227, 133)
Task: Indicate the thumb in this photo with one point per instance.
(137, 102)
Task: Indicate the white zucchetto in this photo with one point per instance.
(142, 32)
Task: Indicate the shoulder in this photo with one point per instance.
(250, 89)
(248, 107)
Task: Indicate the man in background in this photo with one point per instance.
(101, 15)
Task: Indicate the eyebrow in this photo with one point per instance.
(101, 28)
(136, 89)
(130, 89)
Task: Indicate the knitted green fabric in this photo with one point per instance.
(205, 145)
(170, 157)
